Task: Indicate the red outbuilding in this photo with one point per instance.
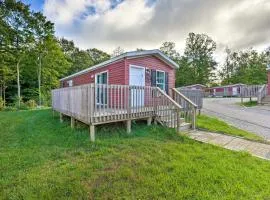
(227, 90)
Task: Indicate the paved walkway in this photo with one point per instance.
(233, 143)
(254, 119)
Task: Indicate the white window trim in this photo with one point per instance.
(107, 71)
(102, 73)
(70, 83)
(164, 83)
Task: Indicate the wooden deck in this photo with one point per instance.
(98, 104)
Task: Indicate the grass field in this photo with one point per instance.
(215, 125)
(248, 103)
(43, 159)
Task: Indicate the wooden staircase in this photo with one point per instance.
(169, 119)
(266, 100)
(175, 112)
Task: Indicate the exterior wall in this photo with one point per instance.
(151, 62)
(116, 75)
(195, 88)
(225, 91)
(268, 75)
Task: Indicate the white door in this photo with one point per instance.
(234, 91)
(137, 78)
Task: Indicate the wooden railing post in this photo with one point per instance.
(193, 123)
(178, 115)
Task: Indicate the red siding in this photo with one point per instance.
(116, 75)
(268, 75)
(151, 62)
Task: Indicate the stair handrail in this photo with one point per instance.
(262, 93)
(165, 105)
(185, 98)
(193, 105)
(170, 98)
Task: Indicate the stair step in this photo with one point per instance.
(169, 119)
(183, 126)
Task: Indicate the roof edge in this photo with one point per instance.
(131, 54)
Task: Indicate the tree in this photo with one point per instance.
(198, 58)
(42, 30)
(168, 48)
(248, 67)
(16, 16)
(55, 65)
(6, 76)
(118, 51)
(79, 59)
(98, 56)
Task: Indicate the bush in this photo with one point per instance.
(10, 108)
(31, 104)
(2, 104)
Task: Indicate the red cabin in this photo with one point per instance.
(138, 68)
(227, 90)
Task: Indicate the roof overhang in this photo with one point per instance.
(225, 86)
(128, 55)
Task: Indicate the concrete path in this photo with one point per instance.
(233, 143)
(254, 119)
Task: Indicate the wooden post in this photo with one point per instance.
(178, 121)
(53, 113)
(194, 119)
(92, 133)
(72, 122)
(128, 123)
(61, 117)
(149, 121)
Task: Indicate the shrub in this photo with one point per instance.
(31, 104)
(2, 104)
(10, 108)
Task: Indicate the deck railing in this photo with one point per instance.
(100, 103)
(188, 107)
(168, 112)
(249, 91)
(262, 93)
(196, 96)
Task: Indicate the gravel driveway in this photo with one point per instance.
(254, 119)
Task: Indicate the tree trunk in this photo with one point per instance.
(18, 83)
(39, 81)
(4, 94)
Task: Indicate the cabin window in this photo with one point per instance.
(101, 92)
(160, 79)
(70, 83)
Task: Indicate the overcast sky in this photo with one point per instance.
(131, 24)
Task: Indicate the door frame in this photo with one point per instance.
(139, 67)
(144, 82)
(107, 95)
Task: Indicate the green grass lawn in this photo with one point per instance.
(44, 159)
(248, 103)
(215, 125)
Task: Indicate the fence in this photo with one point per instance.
(196, 96)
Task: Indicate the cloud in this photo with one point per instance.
(146, 24)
